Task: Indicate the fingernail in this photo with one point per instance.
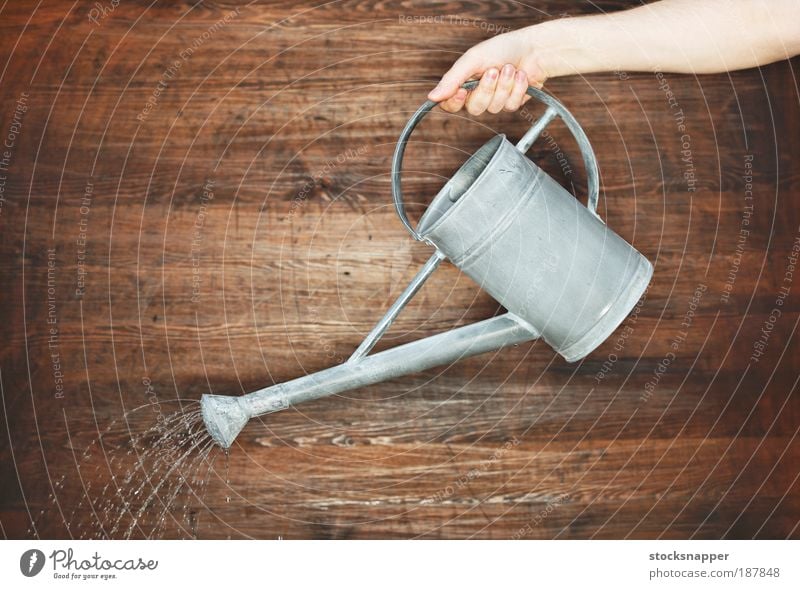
(522, 76)
(507, 70)
(492, 74)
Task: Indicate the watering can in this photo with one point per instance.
(559, 271)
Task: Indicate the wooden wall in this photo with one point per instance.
(197, 200)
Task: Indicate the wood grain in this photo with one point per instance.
(286, 118)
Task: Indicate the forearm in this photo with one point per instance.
(687, 36)
(684, 36)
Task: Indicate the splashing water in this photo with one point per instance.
(152, 482)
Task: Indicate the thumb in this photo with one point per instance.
(466, 66)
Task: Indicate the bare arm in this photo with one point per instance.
(684, 36)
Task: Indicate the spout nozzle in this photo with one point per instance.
(224, 418)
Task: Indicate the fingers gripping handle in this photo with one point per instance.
(554, 108)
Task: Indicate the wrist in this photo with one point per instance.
(559, 47)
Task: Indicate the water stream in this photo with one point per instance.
(151, 485)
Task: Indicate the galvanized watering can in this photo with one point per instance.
(560, 272)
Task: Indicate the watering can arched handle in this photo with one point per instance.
(554, 108)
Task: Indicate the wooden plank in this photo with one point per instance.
(240, 232)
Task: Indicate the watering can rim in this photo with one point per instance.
(612, 317)
(425, 226)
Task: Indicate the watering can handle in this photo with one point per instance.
(554, 108)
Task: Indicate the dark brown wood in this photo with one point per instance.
(289, 115)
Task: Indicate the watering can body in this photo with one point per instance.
(536, 249)
(560, 272)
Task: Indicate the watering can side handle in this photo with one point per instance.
(397, 164)
(554, 107)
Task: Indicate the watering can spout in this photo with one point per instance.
(225, 417)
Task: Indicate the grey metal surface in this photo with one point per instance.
(226, 416)
(535, 248)
(589, 159)
(559, 271)
(536, 129)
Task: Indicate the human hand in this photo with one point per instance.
(506, 64)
